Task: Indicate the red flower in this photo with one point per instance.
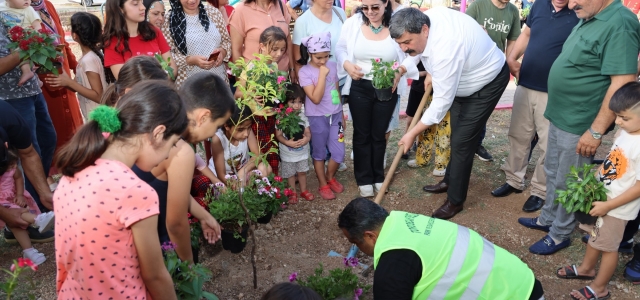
(288, 192)
(281, 105)
(25, 262)
(24, 45)
(16, 30)
(40, 40)
(289, 110)
(277, 178)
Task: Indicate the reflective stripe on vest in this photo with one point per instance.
(455, 265)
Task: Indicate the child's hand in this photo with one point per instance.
(324, 71)
(62, 80)
(599, 209)
(20, 201)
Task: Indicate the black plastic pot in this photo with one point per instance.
(266, 218)
(231, 243)
(384, 94)
(585, 218)
(299, 135)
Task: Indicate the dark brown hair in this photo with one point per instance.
(386, 17)
(10, 160)
(115, 25)
(149, 104)
(290, 291)
(294, 91)
(136, 69)
(209, 91)
(272, 35)
(88, 29)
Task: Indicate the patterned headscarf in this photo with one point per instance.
(40, 7)
(319, 42)
(178, 23)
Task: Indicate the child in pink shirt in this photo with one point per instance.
(106, 230)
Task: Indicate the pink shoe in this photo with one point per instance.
(335, 186)
(326, 193)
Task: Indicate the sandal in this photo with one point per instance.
(588, 293)
(326, 193)
(307, 196)
(571, 272)
(293, 199)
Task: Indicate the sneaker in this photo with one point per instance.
(44, 221)
(378, 186)
(342, 167)
(413, 164)
(632, 268)
(351, 154)
(34, 235)
(547, 246)
(35, 256)
(307, 196)
(483, 154)
(439, 172)
(326, 193)
(335, 186)
(53, 186)
(366, 191)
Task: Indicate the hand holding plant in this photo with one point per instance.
(288, 121)
(383, 73)
(36, 46)
(583, 188)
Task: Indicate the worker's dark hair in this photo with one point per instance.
(290, 291)
(361, 215)
(626, 97)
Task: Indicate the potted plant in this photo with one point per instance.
(265, 84)
(274, 197)
(582, 189)
(340, 283)
(188, 278)
(225, 206)
(37, 47)
(383, 75)
(289, 121)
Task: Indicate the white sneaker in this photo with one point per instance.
(378, 187)
(366, 191)
(53, 186)
(35, 256)
(413, 164)
(44, 221)
(439, 173)
(384, 162)
(351, 154)
(342, 167)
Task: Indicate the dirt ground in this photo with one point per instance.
(300, 238)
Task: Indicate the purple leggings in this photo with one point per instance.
(324, 133)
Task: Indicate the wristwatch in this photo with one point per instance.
(596, 135)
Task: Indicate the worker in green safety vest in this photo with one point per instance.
(419, 257)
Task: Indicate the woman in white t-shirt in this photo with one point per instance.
(90, 80)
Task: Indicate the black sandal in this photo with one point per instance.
(588, 293)
(571, 272)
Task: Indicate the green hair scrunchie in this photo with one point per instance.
(107, 118)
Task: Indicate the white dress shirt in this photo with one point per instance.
(459, 55)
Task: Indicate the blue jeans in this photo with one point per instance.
(34, 111)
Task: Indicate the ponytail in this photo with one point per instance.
(135, 70)
(304, 55)
(84, 148)
(110, 95)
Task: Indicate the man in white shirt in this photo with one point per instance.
(468, 75)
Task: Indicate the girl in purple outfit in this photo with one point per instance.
(319, 79)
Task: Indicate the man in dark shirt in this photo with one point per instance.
(548, 26)
(405, 246)
(14, 132)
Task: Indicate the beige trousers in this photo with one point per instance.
(527, 119)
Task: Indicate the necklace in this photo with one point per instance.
(376, 30)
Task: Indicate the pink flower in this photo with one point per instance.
(281, 79)
(277, 178)
(277, 122)
(395, 65)
(357, 293)
(13, 268)
(25, 262)
(293, 276)
(289, 110)
(378, 60)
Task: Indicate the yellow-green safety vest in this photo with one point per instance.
(457, 263)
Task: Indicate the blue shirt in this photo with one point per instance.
(549, 31)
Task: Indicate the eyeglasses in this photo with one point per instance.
(373, 8)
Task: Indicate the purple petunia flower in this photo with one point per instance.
(293, 277)
(357, 293)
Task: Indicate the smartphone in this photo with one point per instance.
(214, 56)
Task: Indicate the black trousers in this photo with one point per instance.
(469, 115)
(370, 122)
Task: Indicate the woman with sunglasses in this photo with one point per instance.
(364, 37)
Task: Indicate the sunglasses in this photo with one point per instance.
(373, 8)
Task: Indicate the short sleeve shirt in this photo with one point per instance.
(96, 256)
(90, 62)
(250, 21)
(605, 45)
(9, 88)
(13, 128)
(137, 46)
(501, 23)
(23, 17)
(309, 75)
(620, 171)
(288, 154)
(308, 24)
